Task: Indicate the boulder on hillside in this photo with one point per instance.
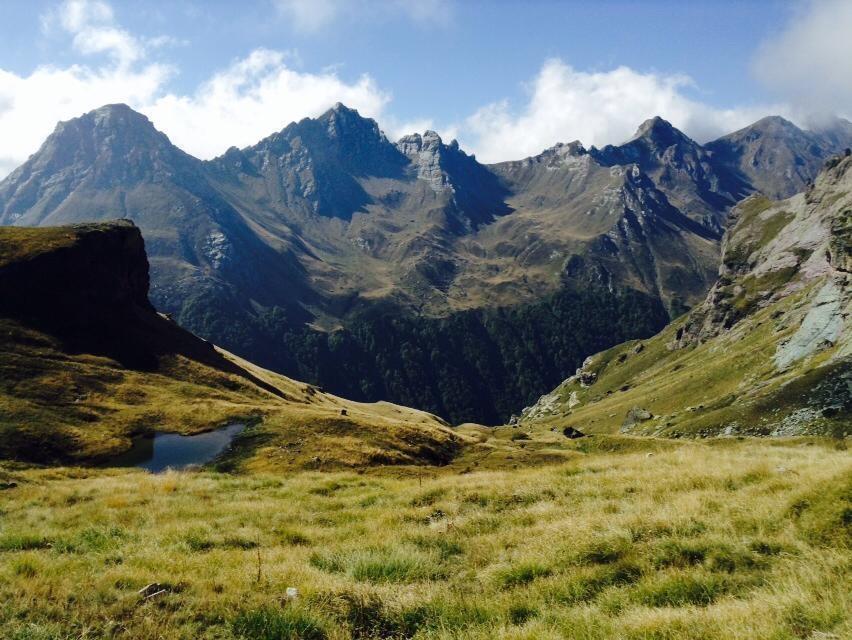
(635, 416)
(587, 378)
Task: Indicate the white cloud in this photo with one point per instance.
(91, 23)
(310, 15)
(237, 106)
(36, 102)
(75, 15)
(809, 62)
(253, 98)
(596, 108)
(313, 15)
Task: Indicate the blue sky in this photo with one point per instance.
(507, 78)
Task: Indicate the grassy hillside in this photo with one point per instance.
(769, 352)
(627, 538)
(86, 363)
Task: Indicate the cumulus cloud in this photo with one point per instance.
(313, 15)
(253, 98)
(91, 24)
(809, 63)
(31, 105)
(596, 108)
(249, 99)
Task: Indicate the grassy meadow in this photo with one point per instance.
(621, 538)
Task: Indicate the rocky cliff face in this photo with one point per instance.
(87, 285)
(92, 270)
(775, 250)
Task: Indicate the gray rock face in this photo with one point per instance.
(634, 417)
(425, 152)
(774, 250)
(821, 327)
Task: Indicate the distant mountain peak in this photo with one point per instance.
(778, 158)
(117, 107)
(343, 114)
(661, 132)
(563, 149)
(413, 143)
(109, 117)
(427, 153)
(775, 120)
(340, 108)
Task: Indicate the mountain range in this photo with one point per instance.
(409, 271)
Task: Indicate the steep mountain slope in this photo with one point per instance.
(367, 218)
(606, 223)
(778, 158)
(404, 271)
(769, 351)
(695, 183)
(86, 362)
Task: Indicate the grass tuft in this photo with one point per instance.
(522, 574)
(269, 623)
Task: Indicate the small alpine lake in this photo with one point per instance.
(161, 451)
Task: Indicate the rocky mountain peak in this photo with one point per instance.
(660, 132)
(565, 150)
(656, 143)
(118, 114)
(110, 147)
(414, 143)
(114, 126)
(778, 158)
(682, 168)
(776, 123)
(315, 164)
(836, 132)
(474, 191)
(429, 155)
(346, 124)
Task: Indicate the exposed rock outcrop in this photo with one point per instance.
(634, 417)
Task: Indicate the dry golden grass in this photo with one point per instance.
(81, 408)
(19, 243)
(723, 539)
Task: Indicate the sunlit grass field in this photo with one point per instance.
(728, 539)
